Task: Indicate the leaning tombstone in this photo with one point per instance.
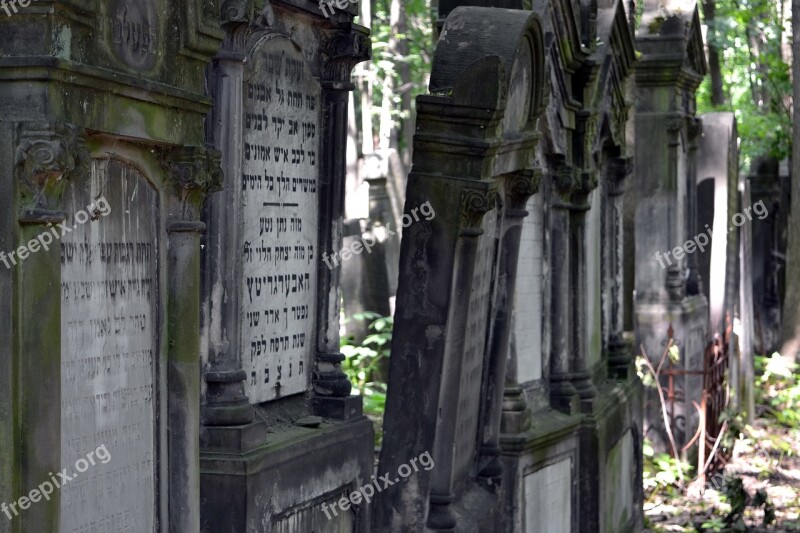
(281, 436)
(103, 179)
(473, 157)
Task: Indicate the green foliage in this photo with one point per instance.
(748, 35)
(418, 38)
(777, 388)
(365, 364)
(661, 472)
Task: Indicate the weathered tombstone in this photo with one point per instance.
(278, 416)
(668, 288)
(722, 219)
(718, 182)
(767, 255)
(746, 325)
(474, 143)
(99, 328)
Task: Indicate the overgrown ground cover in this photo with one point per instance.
(759, 489)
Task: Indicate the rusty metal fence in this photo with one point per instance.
(714, 401)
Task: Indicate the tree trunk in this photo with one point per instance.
(714, 67)
(791, 308)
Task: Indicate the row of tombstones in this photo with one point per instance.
(171, 338)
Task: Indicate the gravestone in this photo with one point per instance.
(458, 270)
(667, 284)
(746, 320)
(277, 411)
(726, 219)
(101, 375)
(767, 253)
(717, 179)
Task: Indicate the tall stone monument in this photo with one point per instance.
(662, 220)
(473, 161)
(282, 437)
(103, 177)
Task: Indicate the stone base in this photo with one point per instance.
(579, 473)
(346, 408)
(233, 439)
(282, 484)
(688, 319)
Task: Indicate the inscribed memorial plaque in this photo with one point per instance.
(109, 351)
(530, 294)
(280, 213)
(548, 499)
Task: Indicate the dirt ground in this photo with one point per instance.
(767, 458)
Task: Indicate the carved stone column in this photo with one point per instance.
(225, 402)
(579, 287)
(190, 173)
(332, 397)
(562, 391)
(619, 358)
(516, 189)
(694, 281)
(674, 275)
(47, 156)
(475, 203)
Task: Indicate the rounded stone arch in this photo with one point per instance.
(492, 58)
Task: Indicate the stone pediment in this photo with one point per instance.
(670, 40)
(486, 87)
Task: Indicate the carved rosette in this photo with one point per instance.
(475, 203)
(47, 156)
(344, 51)
(236, 12)
(191, 173)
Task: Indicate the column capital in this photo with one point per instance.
(344, 51)
(191, 173)
(47, 156)
(518, 188)
(475, 203)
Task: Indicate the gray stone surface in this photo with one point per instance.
(280, 212)
(453, 317)
(668, 288)
(109, 354)
(281, 432)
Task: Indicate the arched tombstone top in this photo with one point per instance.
(492, 58)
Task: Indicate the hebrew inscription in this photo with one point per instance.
(280, 208)
(109, 302)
